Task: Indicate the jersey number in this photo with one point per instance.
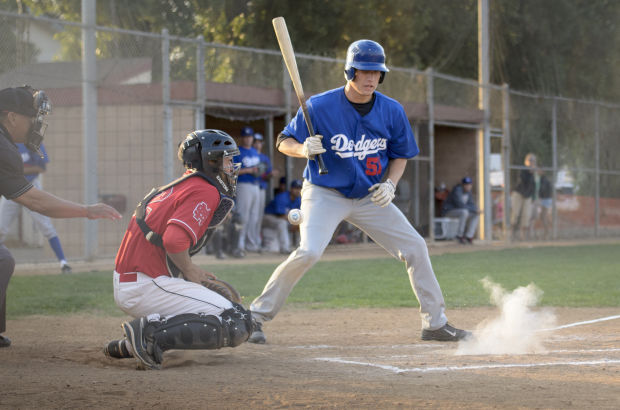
(373, 166)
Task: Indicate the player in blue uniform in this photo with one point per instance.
(9, 210)
(248, 193)
(265, 173)
(276, 215)
(365, 140)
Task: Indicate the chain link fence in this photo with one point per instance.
(153, 89)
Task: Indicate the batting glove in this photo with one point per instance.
(313, 146)
(384, 193)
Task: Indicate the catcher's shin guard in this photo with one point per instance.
(194, 331)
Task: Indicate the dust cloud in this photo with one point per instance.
(517, 329)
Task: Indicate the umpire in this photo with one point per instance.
(22, 110)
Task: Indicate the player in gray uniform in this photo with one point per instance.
(365, 140)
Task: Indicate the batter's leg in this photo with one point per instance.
(390, 228)
(323, 210)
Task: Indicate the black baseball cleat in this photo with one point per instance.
(446, 333)
(134, 331)
(65, 268)
(117, 349)
(257, 335)
(6, 342)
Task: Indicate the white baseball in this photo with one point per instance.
(295, 217)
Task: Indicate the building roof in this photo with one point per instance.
(64, 74)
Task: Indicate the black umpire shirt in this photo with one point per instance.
(12, 180)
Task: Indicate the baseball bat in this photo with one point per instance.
(286, 47)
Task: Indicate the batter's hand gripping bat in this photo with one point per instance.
(286, 47)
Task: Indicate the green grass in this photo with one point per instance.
(576, 276)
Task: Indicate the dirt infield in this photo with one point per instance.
(362, 358)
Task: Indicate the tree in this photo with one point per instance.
(14, 47)
(562, 47)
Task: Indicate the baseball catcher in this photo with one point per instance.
(175, 303)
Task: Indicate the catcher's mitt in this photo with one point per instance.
(223, 288)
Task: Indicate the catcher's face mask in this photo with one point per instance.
(227, 173)
(43, 107)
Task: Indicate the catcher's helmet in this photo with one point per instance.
(205, 150)
(365, 55)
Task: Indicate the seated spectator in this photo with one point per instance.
(281, 187)
(460, 205)
(275, 223)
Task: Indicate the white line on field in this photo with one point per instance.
(587, 322)
(561, 351)
(373, 347)
(611, 349)
(396, 369)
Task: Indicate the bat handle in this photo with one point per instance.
(322, 167)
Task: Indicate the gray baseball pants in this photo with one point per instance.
(9, 212)
(247, 203)
(468, 221)
(323, 210)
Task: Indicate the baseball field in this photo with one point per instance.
(546, 319)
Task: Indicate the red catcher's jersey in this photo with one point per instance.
(189, 204)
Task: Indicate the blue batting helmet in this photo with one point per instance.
(365, 55)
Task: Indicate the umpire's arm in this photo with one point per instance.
(50, 205)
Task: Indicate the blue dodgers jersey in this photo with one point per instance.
(281, 204)
(33, 159)
(248, 158)
(264, 159)
(358, 147)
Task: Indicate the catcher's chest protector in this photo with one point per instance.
(223, 209)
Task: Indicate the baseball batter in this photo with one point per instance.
(365, 139)
(168, 226)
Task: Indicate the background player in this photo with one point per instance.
(265, 174)
(34, 165)
(276, 213)
(22, 111)
(367, 137)
(174, 312)
(248, 193)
